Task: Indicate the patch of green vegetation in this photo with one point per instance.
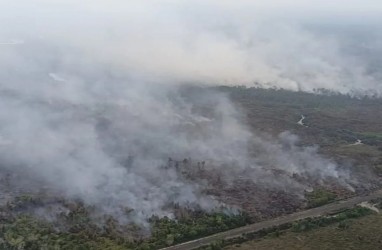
(319, 197)
(301, 226)
(359, 150)
(374, 135)
(25, 232)
(216, 245)
(358, 233)
(313, 223)
(168, 232)
(78, 230)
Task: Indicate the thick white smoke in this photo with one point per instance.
(278, 44)
(111, 147)
(93, 104)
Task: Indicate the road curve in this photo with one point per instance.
(314, 212)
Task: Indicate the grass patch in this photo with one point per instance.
(361, 233)
(25, 232)
(373, 135)
(309, 224)
(319, 197)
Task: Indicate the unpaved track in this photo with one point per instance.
(314, 212)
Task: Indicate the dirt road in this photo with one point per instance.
(314, 212)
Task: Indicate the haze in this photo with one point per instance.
(95, 95)
(296, 45)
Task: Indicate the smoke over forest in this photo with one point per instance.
(105, 104)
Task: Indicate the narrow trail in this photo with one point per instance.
(314, 212)
(358, 142)
(301, 121)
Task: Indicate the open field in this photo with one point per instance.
(360, 233)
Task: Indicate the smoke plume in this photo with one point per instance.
(96, 105)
